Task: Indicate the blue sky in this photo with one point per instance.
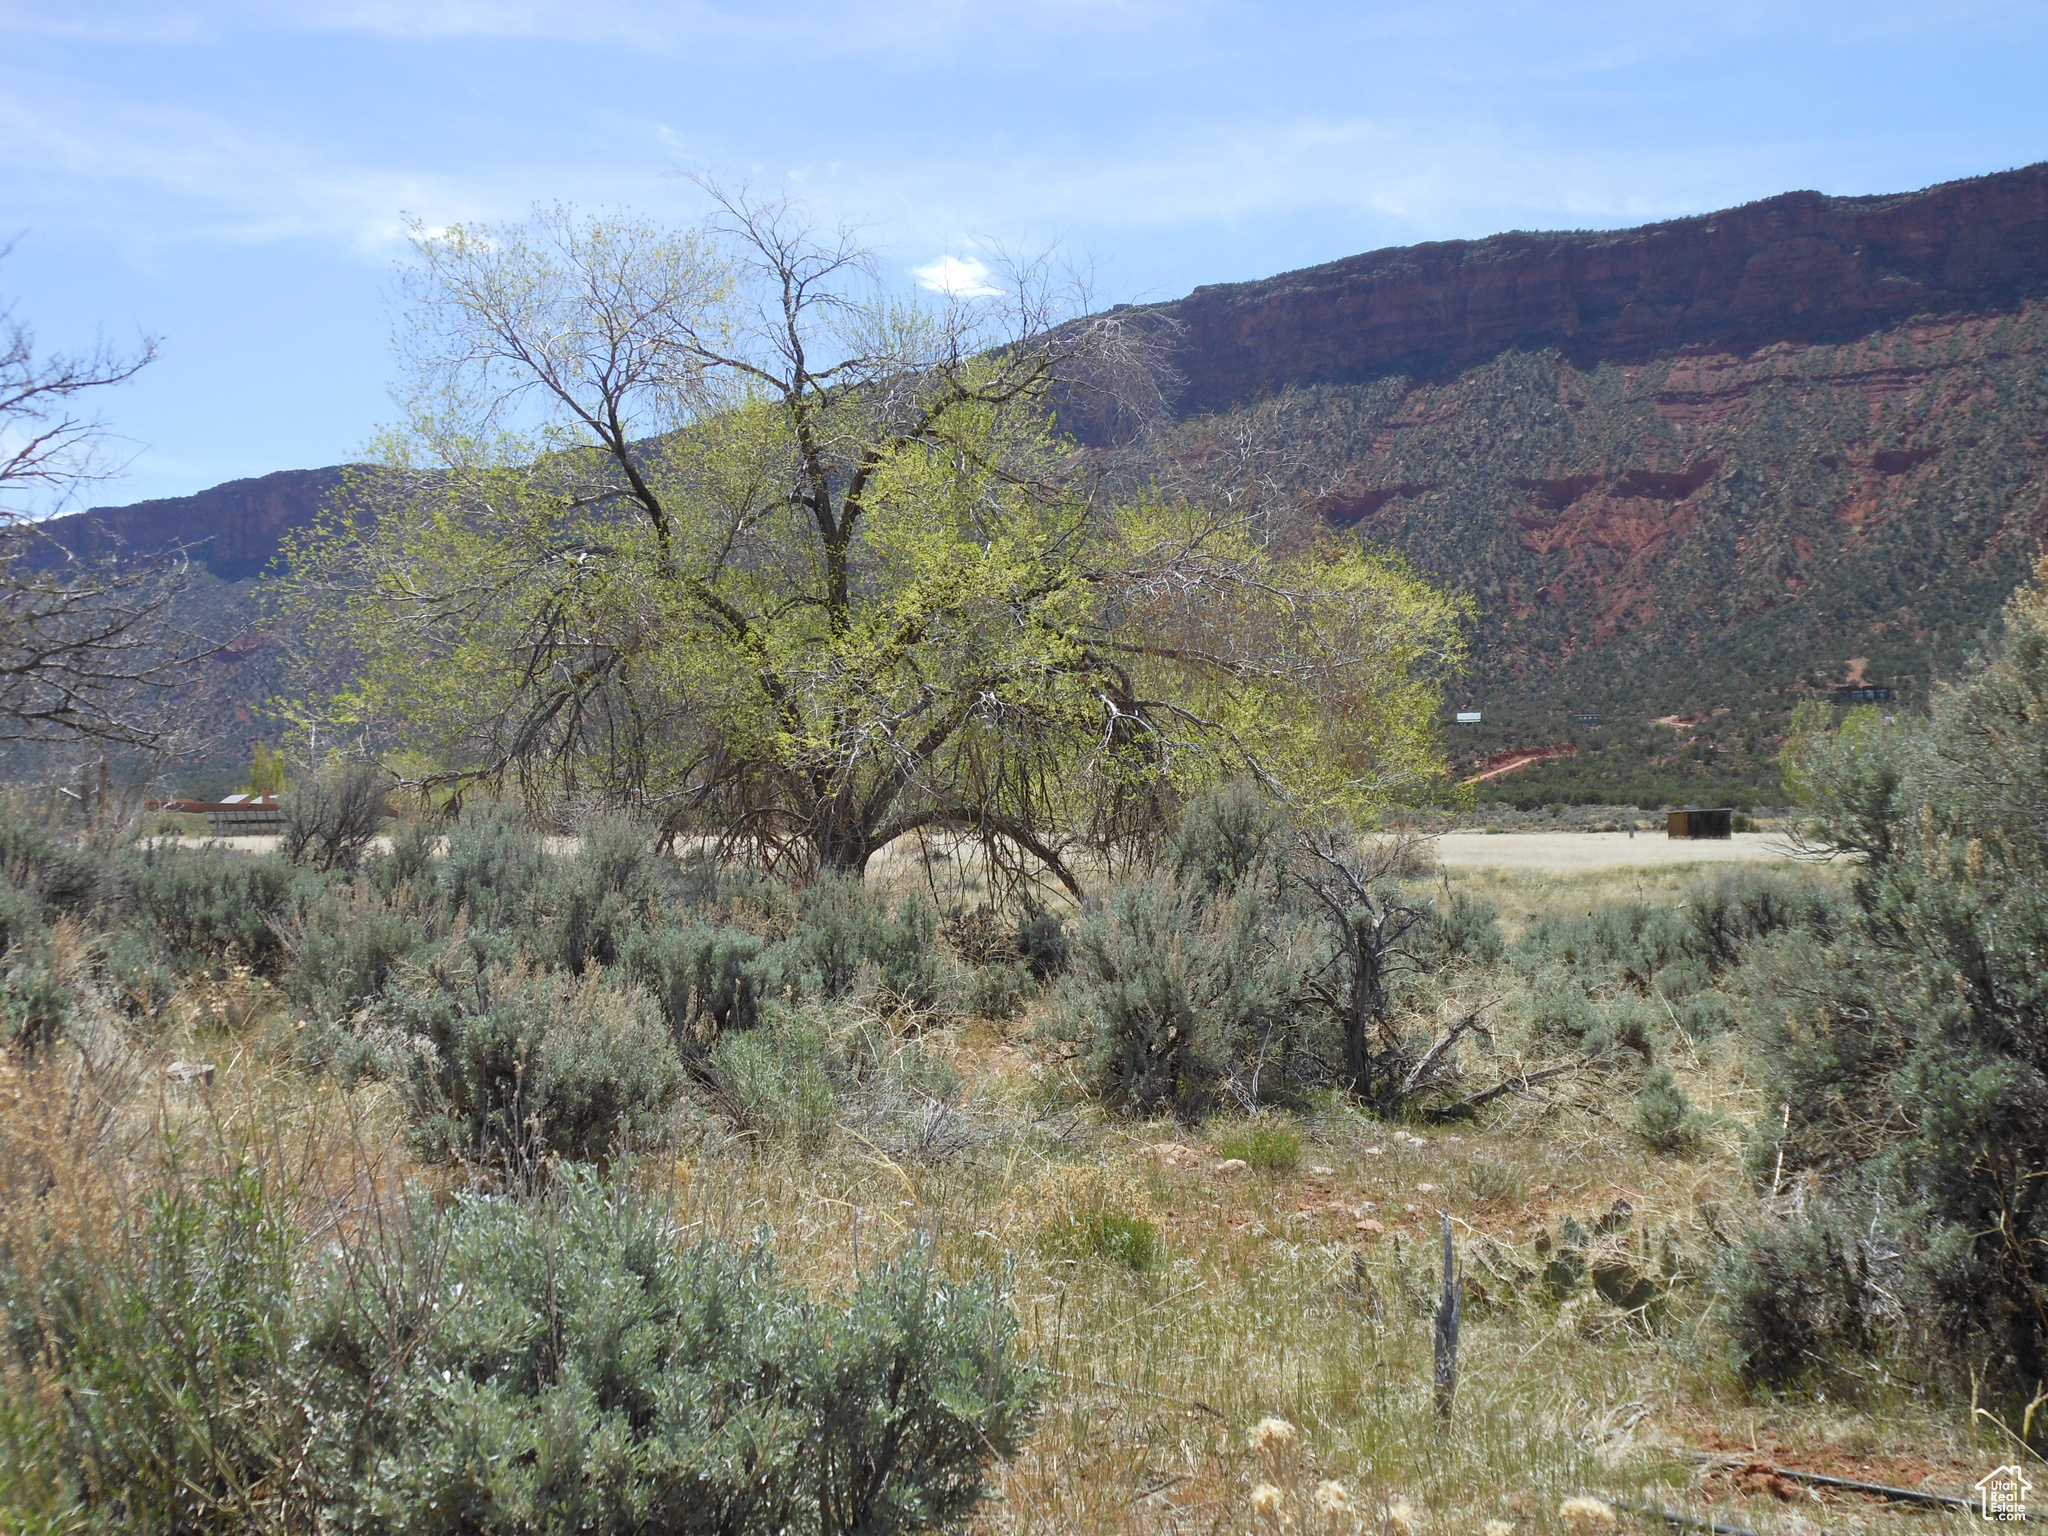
(233, 176)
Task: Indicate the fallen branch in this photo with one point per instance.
(1521, 1082)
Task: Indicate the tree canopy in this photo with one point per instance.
(711, 524)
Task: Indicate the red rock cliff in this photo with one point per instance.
(1798, 268)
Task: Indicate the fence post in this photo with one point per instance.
(1445, 1330)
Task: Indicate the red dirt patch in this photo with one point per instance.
(1507, 762)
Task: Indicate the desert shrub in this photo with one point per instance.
(344, 946)
(740, 895)
(1792, 1294)
(1112, 1237)
(598, 898)
(211, 904)
(1042, 943)
(331, 814)
(410, 861)
(1264, 1145)
(842, 926)
(62, 878)
(1467, 928)
(1628, 940)
(504, 1065)
(1665, 1118)
(136, 973)
(1170, 996)
(1557, 1008)
(1740, 907)
(486, 1365)
(998, 991)
(609, 1076)
(706, 980)
(35, 999)
(493, 865)
(1705, 1015)
(780, 1078)
(599, 1376)
(1224, 836)
(1681, 979)
(1626, 1024)
(21, 917)
(171, 1397)
(979, 937)
(1913, 1051)
(1496, 1179)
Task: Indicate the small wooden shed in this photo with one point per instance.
(1698, 823)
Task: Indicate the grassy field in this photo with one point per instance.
(1178, 1284)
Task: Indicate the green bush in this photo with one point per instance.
(735, 894)
(595, 1375)
(1042, 943)
(1740, 907)
(179, 1402)
(1170, 996)
(707, 981)
(345, 946)
(1681, 979)
(331, 815)
(1558, 1009)
(603, 895)
(1911, 1052)
(139, 978)
(212, 904)
(1267, 1147)
(1628, 1023)
(506, 1066)
(842, 926)
(1469, 930)
(1665, 1118)
(1226, 836)
(1626, 941)
(780, 1078)
(62, 878)
(998, 991)
(21, 917)
(489, 1366)
(1794, 1295)
(492, 868)
(410, 863)
(1110, 1236)
(1705, 1015)
(35, 1001)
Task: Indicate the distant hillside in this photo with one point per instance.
(233, 529)
(1690, 472)
(1709, 535)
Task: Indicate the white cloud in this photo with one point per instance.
(957, 277)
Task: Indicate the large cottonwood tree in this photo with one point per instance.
(712, 524)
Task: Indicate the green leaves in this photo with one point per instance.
(811, 580)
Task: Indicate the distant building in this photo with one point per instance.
(1859, 694)
(1699, 823)
(1585, 719)
(236, 816)
(1468, 717)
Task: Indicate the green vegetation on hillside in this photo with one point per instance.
(1704, 536)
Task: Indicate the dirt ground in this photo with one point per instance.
(1572, 852)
